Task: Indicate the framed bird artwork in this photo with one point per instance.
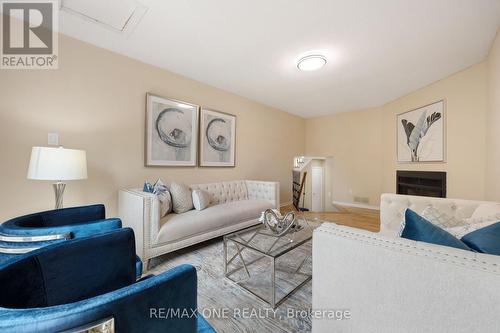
(420, 134)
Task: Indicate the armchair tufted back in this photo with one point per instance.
(224, 191)
(393, 206)
(57, 217)
(70, 271)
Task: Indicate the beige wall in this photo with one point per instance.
(363, 143)
(96, 101)
(353, 139)
(493, 124)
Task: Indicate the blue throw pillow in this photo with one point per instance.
(485, 240)
(419, 229)
(147, 187)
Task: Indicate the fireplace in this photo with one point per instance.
(423, 183)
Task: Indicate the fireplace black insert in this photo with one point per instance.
(423, 183)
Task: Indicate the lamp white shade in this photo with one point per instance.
(57, 164)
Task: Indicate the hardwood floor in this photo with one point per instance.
(367, 219)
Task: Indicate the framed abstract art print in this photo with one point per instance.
(171, 132)
(217, 138)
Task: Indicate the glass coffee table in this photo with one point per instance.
(268, 266)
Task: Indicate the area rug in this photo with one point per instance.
(229, 308)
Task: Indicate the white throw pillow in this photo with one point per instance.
(161, 191)
(201, 199)
(463, 230)
(182, 200)
(485, 213)
(442, 220)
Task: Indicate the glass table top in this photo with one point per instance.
(261, 239)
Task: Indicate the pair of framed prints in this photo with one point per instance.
(180, 134)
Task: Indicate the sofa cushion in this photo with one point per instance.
(201, 199)
(484, 213)
(441, 219)
(485, 240)
(417, 228)
(178, 226)
(462, 230)
(165, 199)
(161, 191)
(182, 200)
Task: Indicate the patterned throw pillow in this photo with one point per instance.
(418, 228)
(484, 240)
(462, 230)
(201, 199)
(161, 191)
(440, 219)
(481, 237)
(485, 213)
(182, 200)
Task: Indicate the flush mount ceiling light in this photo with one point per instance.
(311, 62)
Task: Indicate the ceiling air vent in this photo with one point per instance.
(118, 15)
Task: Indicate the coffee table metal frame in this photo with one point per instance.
(242, 244)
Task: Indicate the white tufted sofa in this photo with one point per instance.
(391, 284)
(234, 205)
(393, 206)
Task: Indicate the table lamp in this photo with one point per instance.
(57, 164)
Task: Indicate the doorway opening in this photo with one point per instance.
(312, 177)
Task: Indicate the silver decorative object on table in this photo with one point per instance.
(279, 224)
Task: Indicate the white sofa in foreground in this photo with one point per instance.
(234, 205)
(391, 284)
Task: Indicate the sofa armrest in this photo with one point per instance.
(398, 285)
(140, 211)
(260, 190)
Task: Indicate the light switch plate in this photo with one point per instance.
(53, 139)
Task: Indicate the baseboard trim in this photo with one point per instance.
(356, 205)
(284, 204)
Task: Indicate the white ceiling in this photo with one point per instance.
(377, 50)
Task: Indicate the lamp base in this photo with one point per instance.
(59, 192)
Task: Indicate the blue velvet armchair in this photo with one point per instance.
(26, 233)
(84, 281)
